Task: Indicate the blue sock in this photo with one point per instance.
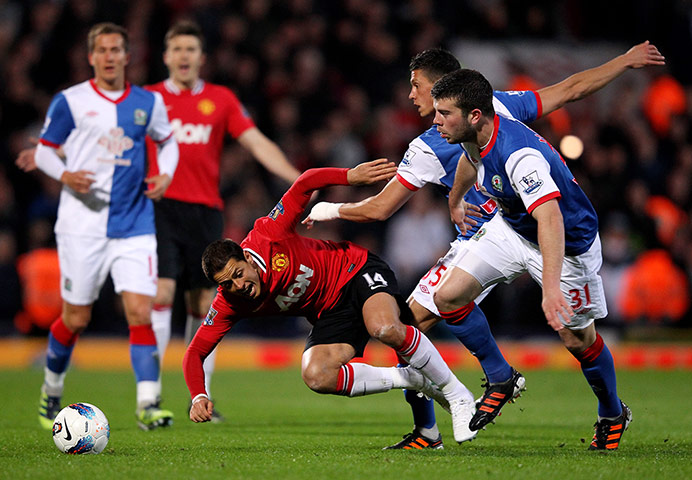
(145, 362)
(473, 332)
(423, 409)
(599, 370)
(57, 355)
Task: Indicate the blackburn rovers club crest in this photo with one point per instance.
(206, 106)
(477, 236)
(276, 211)
(279, 262)
(209, 319)
(531, 182)
(140, 117)
(497, 183)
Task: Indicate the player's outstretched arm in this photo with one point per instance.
(368, 173)
(268, 154)
(376, 207)
(585, 83)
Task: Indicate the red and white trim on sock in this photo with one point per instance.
(457, 316)
(411, 342)
(344, 381)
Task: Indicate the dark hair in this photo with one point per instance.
(468, 88)
(434, 63)
(217, 254)
(104, 29)
(184, 27)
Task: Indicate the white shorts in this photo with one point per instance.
(498, 254)
(423, 293)
(85, 262)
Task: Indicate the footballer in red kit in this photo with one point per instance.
(200, 118)
(348, 295)
(189, 216)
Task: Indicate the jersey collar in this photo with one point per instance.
(174, 89)
(122, 97)
(496, 125)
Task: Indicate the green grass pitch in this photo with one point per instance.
(277, 429)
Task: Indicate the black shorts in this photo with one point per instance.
(183, 231)
(343, 323)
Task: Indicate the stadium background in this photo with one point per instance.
(328, 81)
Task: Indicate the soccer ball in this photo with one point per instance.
(81, 428)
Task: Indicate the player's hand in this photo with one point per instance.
(555, 308)
(79, 181)
(644, 54)
(201, 410)
(471, 211)
(462, 215)
(157, 186)
(25, 160)
(371, 172)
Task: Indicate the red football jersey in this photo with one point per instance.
(200, 118)
(299, 276)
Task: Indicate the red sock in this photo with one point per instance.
(63, 334)
(142, 335)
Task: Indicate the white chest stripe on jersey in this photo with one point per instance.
(296, 290)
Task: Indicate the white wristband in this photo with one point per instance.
(323, 211)
(201, 395)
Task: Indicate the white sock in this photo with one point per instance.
(365, 379)
(208, 366)
(54, 383)
(432, 432)
(147, 393)
(161, 324)
(421, 354)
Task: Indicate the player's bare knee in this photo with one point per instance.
(76, 323)
(390, 333)
(76, 318)
(447, 300)
(573, 341)
(318, 380)
(140, 315)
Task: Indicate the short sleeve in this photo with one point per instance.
(59, 122)
(239, 119)
(529, 173)
(524, 106)
(419, 166)
(159, 128)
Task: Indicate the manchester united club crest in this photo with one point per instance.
(280, 262)
(206, 106)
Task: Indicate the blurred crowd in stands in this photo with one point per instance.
(328, 81)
